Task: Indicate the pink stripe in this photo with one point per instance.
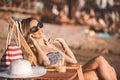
(18, 54)
(13, 49)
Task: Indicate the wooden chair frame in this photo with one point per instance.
(31, 57)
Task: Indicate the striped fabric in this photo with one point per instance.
(12, 53)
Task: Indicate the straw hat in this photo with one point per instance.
(23, 69)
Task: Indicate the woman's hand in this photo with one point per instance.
(56, 40)
(61, 40)
(31, 36)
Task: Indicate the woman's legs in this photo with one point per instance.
(102, 67)
(91, 75)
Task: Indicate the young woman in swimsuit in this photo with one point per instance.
(47, 54)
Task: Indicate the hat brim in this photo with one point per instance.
(37, 71)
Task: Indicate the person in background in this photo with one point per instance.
(63, 18)
(7, 3)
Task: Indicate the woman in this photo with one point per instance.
(95, 69)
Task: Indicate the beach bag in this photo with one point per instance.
(12, 51)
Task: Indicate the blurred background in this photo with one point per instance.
(90, 27)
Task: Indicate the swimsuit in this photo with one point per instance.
(54, 57)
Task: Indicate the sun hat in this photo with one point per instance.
(23, 69)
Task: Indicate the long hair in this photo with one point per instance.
(26, 30)
(26, 25)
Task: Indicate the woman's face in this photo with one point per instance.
(39, 33)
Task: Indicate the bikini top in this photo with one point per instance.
(54, 57)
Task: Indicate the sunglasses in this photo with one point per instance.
(36, 28)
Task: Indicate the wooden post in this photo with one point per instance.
(80, 73)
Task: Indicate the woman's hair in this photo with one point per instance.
(26, 29)
(26, 25)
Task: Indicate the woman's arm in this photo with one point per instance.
(41, 55)
(69, 56)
